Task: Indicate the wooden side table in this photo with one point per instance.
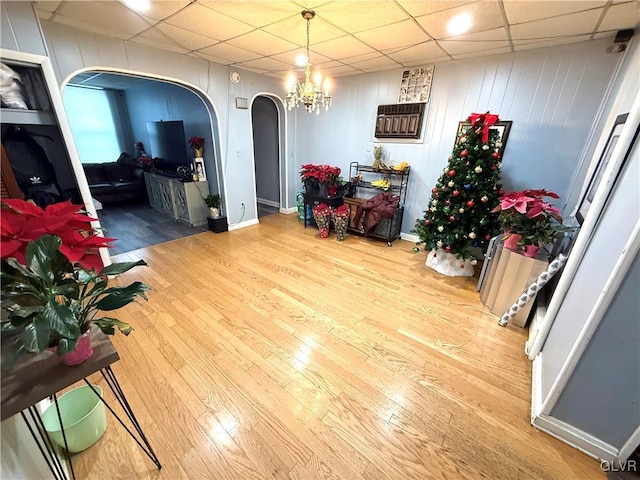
(36, 377)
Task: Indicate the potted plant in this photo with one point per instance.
(528, 221)
(323, 178)
(54, 286)
(213, 201)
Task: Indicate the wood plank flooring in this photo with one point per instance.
(268, 352)
(137, 225)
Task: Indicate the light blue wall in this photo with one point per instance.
(155, 101)
(551, 95)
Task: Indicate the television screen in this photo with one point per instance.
(168, 143)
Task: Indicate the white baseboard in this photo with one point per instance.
(246, 223)
(409, 237)
(271, 203)
(288, 211)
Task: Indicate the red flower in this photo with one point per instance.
(22, 222)
(196, 142)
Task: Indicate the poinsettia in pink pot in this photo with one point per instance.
(528, 221)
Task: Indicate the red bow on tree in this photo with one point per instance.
(486, 119)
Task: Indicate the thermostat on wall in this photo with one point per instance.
(235, 77)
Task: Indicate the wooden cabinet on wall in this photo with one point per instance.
(181, 200)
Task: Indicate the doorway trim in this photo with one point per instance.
(212, 111)
(283, 148)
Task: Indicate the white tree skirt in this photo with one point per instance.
(447, 264)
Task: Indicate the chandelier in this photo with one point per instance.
(313, 95)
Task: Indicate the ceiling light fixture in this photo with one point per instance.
(313, 95)
(138, 5)
(459, 24)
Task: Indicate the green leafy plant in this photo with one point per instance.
(54, 286)
(213, 200)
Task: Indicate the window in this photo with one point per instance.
(92, 119)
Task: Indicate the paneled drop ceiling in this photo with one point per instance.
(347, 36)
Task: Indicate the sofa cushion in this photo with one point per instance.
(102, 189)
(127, 187)
(117, 173)
(95, 173)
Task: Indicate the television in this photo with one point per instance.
(168, 143)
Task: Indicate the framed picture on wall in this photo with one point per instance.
(601, 166)
(501, 128)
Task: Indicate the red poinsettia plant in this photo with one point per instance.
(526, 214)
(324, 174)
(196, 142)
(54, 284)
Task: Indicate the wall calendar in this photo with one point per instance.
(416, 85)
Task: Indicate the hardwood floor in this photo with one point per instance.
(268, 352)
(137, 225)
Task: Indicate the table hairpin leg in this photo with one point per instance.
(44, 443)
(113, 384)
(67, 454)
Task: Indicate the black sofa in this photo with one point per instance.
(113, 182)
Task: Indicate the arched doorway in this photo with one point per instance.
(266, 154)
(134, 101)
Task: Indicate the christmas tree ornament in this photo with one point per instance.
(485, 147)
(471, 204)
(434, 190)
(474, 262)
(455, 193)
(467, 186)
(440, 228)
(499, 144)
(464, 153)
(476, 148)
(472, 235)
(436, 195)
(452, 218)
(484, 199)
(499, 164)
(452, 173)
(416, 249)
(495, 155)
(445, 209)
(439, 244)
(447, 249)
(443, 188)
(427, 222)
(478, 169)
(483, 221)
(451, 184)
(434, 202)
(468, 177)
(447, 201)
(463, 139)
(487, 237)
(493, 168)
(461, 210)
(501, 192)
(475, 244)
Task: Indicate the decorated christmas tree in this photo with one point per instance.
(458, 216)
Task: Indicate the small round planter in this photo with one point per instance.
(82, 353)
(214, 212)
(83, 416)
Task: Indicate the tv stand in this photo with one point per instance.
(182, 201)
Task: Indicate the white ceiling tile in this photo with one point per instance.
(294, 29)
(337, 71)
(485, 15)
(187, 38)
(290, 57)
(48, 6)
(82, 25)
(530, 10)
(395, 35)
(43, 14)
(330, 64)
(423, 52)
(262, 42)
(566, 25)
(488, 35)
(171, 47)
(456, 48)
(418, 8)
(276, 75)
(520, 45)
(378, 62)
(229, 52)
(255, 12)
(342, 47)
(250, 69)
(608, 34)
(161, 10)
(620, 17)
(422, 63)
(266, 64)
(209, 22)
(106, 16)
(359, 58)
(497, 51)
(381, 69)
(358, 16)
